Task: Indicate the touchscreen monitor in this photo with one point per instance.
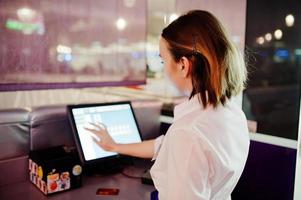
(119, 119)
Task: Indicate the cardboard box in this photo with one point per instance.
(55, 169)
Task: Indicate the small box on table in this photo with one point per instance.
(55, 169)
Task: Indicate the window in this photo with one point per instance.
(273, 44)
(71, 43)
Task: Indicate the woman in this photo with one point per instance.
(204, 151)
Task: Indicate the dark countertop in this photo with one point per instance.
(129, 188)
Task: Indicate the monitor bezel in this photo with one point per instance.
(76, 135)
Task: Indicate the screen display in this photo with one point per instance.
(119, 120)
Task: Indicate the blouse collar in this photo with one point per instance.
(187, 106)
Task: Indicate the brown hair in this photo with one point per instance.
(218, 69)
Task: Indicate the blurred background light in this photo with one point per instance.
(260, 40)
(289, 20)
(63, 49)
(121, 24)
(268, 37)
(173, 17)
(278, 34)
(26, 14)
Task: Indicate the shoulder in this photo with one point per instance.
(219, 117)
(186, 138)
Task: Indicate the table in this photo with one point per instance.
(129, 188)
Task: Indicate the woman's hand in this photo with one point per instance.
(101, 137)
(105, 140)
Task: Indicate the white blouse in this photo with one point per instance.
(202, 154)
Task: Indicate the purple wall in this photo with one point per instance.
(269, 174)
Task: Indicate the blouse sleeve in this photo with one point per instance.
(157, 146)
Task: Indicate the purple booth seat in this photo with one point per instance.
(14, 145)
(49, 126)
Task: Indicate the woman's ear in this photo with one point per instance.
(184, 67)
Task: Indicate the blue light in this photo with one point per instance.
(282, 53)
(68, 57)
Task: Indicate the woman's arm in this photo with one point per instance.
(144, 149)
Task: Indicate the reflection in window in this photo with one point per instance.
(67, 43)
(274, 44)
